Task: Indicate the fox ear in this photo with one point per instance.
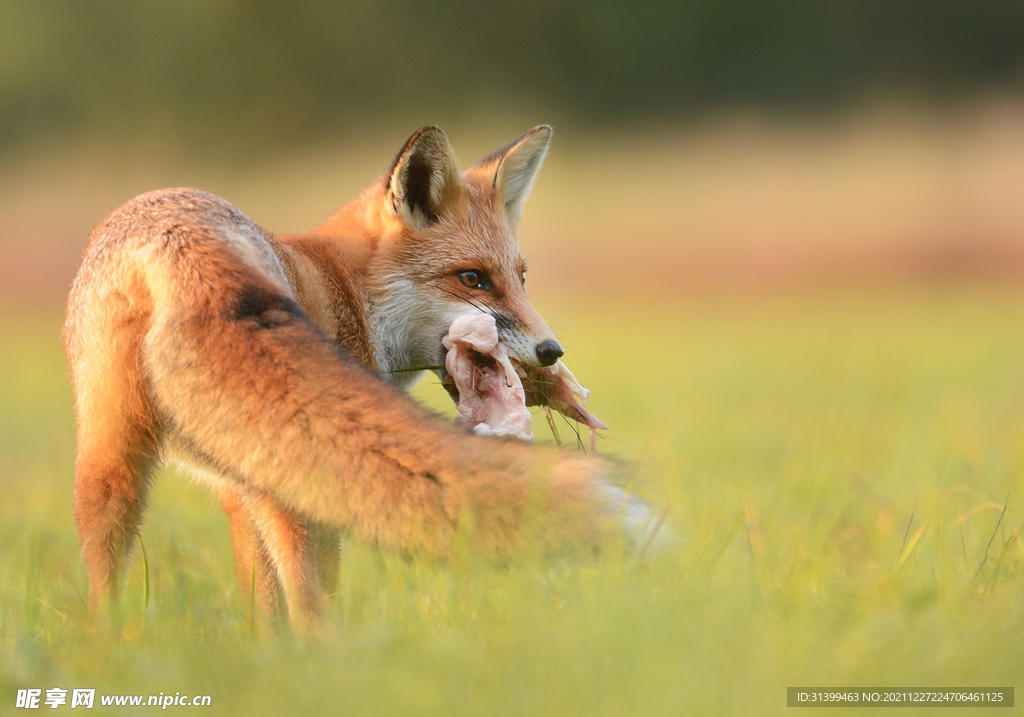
(515, 167)
(423, 178)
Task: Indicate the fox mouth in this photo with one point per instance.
(493, 388)
(538, 385)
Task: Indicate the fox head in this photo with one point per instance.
(447, 247)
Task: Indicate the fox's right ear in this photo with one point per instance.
(424, 178)
(513, 168)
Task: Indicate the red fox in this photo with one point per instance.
(270, 367)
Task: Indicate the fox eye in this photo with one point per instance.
(522, 276)
(473, 279)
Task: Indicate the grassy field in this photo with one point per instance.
(836, 463)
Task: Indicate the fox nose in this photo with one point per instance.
(548, 352)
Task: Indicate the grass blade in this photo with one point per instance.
(984, 558)
(145, 574)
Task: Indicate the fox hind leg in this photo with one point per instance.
(257, 576)
(116, 455)
(303, 549)
(110, 494)
(326, 541)
(294, 548)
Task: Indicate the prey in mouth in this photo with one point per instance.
(493, 388)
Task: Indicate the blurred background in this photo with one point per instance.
(802, 221)
(726, 146)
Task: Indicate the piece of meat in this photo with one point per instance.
(493, 388)
(556, 387)
(490, 394)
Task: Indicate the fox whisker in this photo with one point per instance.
(415, 368)
(465, 298)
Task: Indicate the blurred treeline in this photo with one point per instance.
(245, 73)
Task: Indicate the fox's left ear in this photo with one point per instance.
(515, 167)
(424, 178)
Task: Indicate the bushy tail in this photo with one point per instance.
(258, 391)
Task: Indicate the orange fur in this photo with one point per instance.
(256, 361)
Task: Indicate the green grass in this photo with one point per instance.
(794, 438)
